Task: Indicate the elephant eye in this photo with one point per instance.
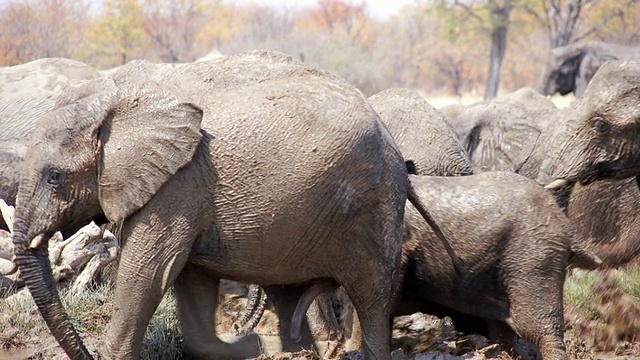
(55, 177)
(601, 125)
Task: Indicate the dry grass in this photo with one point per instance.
(22, 327)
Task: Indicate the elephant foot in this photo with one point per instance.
(228, 347)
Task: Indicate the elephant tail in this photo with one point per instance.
(415, 200)
(250, 317)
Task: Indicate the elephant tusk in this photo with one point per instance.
(37, 241)
(557, 184)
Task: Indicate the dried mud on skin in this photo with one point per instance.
(613, 334)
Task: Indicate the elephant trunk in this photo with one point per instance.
(36, 272)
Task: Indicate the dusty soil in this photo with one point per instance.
(612, 333)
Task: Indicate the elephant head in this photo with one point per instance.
(85, 161)
(570, 68)
(601, 137)
(501, 135)
(559, 72)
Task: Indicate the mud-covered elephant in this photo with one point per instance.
(219, 74)
(570, 68)
(516, 245)
(27, 92)
(517, 137)
(500, 135)
(600, 138)
(426, 140)
(429, 146)
(280, 181)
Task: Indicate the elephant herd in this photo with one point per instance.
(260, 169)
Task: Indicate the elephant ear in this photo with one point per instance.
(494, 146)
(146, 138)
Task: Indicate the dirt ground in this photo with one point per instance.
(612, 333)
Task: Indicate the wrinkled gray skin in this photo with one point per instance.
(319, 183)
(501, 134)
(429, 146)
(27, 92)
(236, 70)
(605, 213)
(599, 140)
(422, 134)
(570, 68)
(516, 245)
(515, 263)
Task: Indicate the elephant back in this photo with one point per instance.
(193, 81)
(426, 140)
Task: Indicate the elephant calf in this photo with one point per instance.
(516, 245)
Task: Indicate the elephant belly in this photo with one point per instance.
(477, 300)
(262, 244)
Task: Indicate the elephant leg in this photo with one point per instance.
(353, 332)
(145, 272)
(327, 333)
(372, 302)
(284, 300)
(538, 319)
(197, 298)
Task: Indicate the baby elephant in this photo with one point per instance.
(516, 245)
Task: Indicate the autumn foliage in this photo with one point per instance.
(440, 47)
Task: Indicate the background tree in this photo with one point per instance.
(117, 35)
(568, 21)
(34, 29)
(490, 18)
(173, 27)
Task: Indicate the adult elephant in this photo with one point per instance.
(500, 135)
(507, 134)
(281, 181)
(599, 140)
(429, 146)
(220, 75)
(27, 92)
(426, 140)
(570, 68)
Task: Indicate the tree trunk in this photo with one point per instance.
(500, 20)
